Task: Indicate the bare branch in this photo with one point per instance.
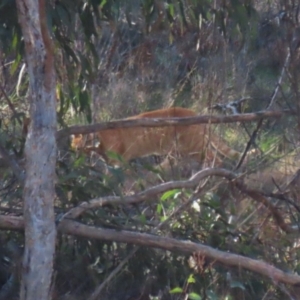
(96, 293)
(170, 244)
(158, 122)
(279, 81)
(190, 183)
(11, 223)
(170, 122)
(148, 240)
(11, 106)
(250, 142)
(259, 197)
(268, 107)
(148, 193)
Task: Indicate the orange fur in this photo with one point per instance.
(193, 141)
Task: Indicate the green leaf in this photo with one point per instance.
(194, 296)
(115, 156)
(79, 162)
(103, 2)
(176, 290)
(15, 64)
(171, 9)
(191, 279)
(159, 208)
(163, 218)
(170, 194)
(143, 219)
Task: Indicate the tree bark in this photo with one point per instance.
(40, 153)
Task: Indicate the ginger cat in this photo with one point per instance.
(192, 141)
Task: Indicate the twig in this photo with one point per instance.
(257, 196)
(11, 106)
(270, 104)
(250, 142)
(98, 290)
(279, 81)
(285, 290)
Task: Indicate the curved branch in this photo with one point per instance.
(278, 218)
(256, 195)
(150, 192)
(170, 244)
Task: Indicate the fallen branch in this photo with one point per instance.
(174, 245)
(170, 244)
(157, 122)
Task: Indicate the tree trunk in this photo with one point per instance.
(40, 152)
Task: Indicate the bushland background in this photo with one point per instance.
(118, 58)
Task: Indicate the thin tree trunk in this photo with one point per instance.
(40, 151)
